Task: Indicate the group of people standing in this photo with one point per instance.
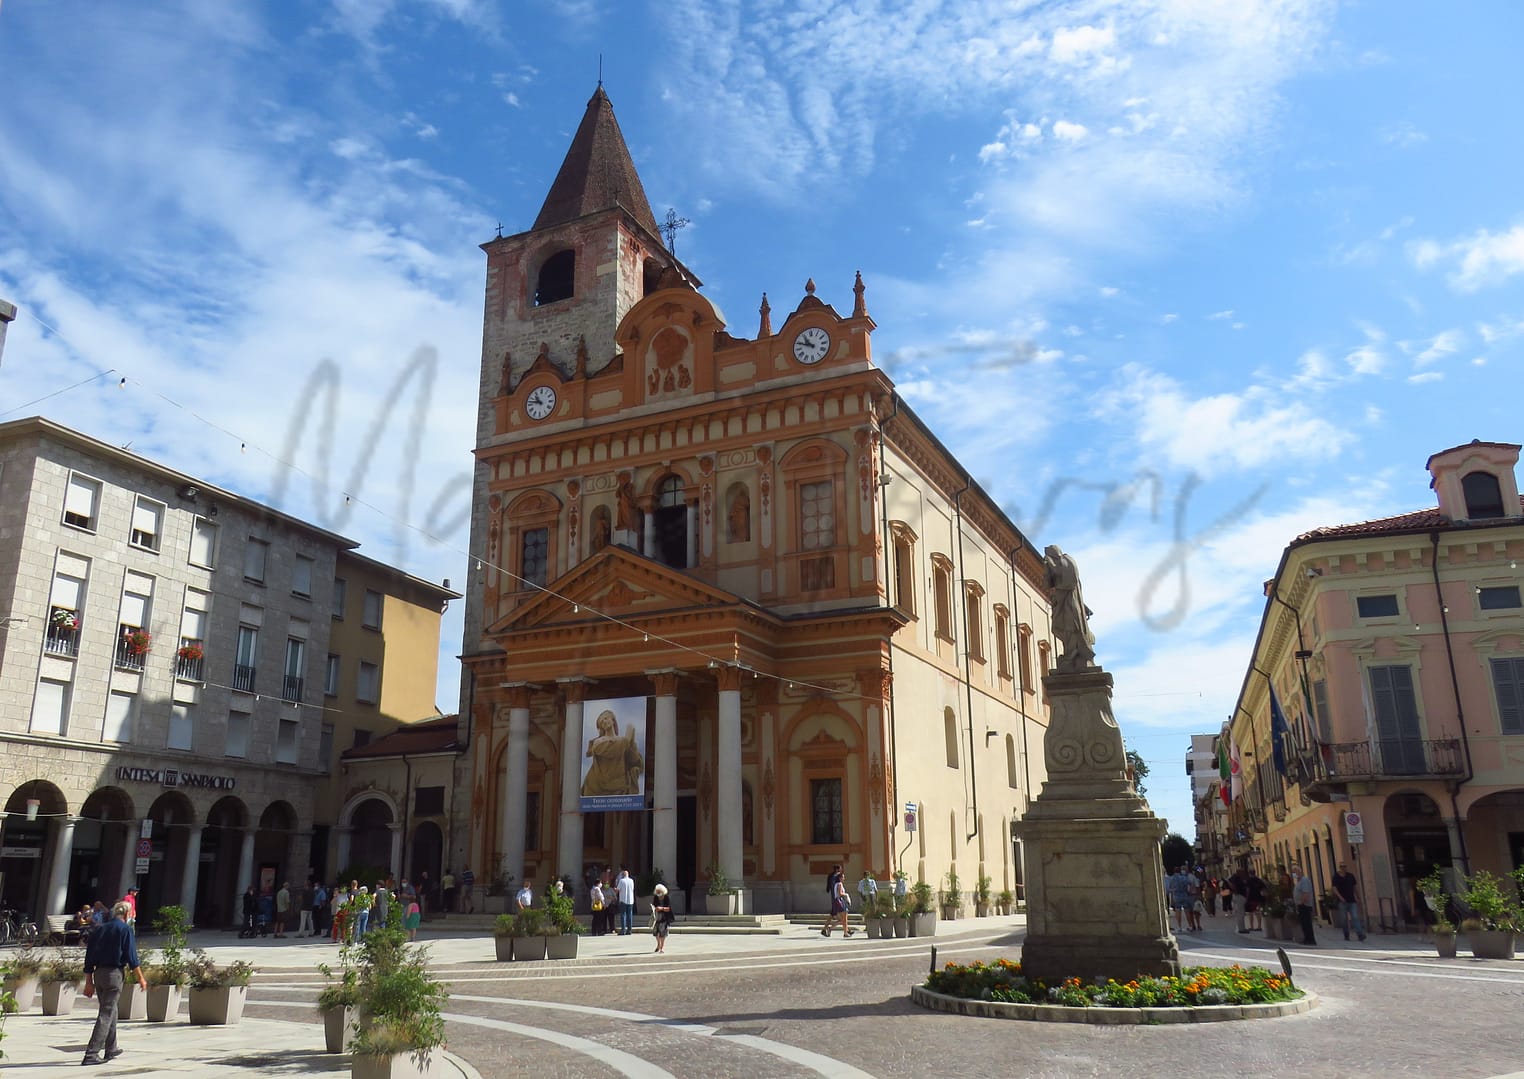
(1190, 894)
(613, 902)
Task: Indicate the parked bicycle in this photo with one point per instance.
(17, 928)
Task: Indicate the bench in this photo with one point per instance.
(58, 931)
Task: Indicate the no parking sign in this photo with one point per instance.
(910, 813)
(1354, 829)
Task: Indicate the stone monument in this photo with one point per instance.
(1094, 878)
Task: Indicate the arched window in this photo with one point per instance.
(973, 620)
(941, 588)
(671, 523)
(904, 568)
(1002, 641)
(557, 278)
(1011, 776)
(1484, 496)
(950, 734)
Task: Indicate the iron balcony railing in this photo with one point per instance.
(62, 641)
(243, 678)
(127, 658)
(291, 689)
(188, 668)
(1386, 758)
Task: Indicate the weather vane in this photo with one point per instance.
(670, 226)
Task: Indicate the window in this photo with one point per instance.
(817, 515)
(941, 589)
(66, 602)
(670, 524)
(1499, 598)
(534, 545)
(950, 736)
(365, 689)
(1483, 494)
(1399, 736)
(1002, 642)
(1024, 657)
(340, 594)
(371, 617)
(203, 548)
(243, 658)
(428, 801)
(132, 639)
(255, 554)
(325, 749)
(190, 656)
(973, 621)
(331, 676)
(119, 712)
(557, 278)
(296, 664)
(238, 735)
(825, 812)
(1012, 776)
(50, 707)
(301, 576)
(1320, 710)
(362, 738)
(1376, 606)
(286, 741)
(1508, 684)
(147, 524)
(181, 727)
(82, 502)
(904, 569)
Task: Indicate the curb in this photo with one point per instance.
(1053, 1013)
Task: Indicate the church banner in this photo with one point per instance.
(613, 762)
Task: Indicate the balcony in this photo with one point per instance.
(189, 668)
(61, 641)
(127, 657)
(1329, 768)
(243, 678)
(291, 688)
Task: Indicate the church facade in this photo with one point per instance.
(733, 608)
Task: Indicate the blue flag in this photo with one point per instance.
(1280, 734)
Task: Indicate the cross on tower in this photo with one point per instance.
(669, 229)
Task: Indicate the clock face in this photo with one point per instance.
(540, 402)
(812, 345)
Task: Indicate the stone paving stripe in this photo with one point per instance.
(1503, 977)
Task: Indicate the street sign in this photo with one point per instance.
(146, 830)
(1354, 828)
(145, 848)
(910, 816)
(142, 866)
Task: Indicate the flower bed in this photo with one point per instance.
(1002, 982)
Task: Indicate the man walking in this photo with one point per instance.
(467, 891)
(625, 887)
(304, 921)
(282, 909)
(446, 892)
(111, 950)
(1345, 885)
(1302, 895)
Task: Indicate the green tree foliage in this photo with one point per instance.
(1139, 770)
(1177, 850)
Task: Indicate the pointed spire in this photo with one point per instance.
(809, 286)
(597, 173)
(859, 308)
(766, 311)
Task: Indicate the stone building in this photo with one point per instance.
(732, 604)
(1395, 650)
(169, 678)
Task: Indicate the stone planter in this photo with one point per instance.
(58, 997)
(338, 1028)
(723, 904)
(923, 925)
(901, 927)
(401, 1066)
(504, 948)
(528, 948)
(494, 904)
(1445, 943)
(562, 946)
(875, 928)
(134, 1002)
(950, 912)
(163, 1003)
(218, 1007)
(24, 990)
(1485, 944)
(981, 910)
(1273, 928)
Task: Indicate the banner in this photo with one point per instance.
(613, 760)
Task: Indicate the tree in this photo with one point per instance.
(1139, 769)
(1177, 851)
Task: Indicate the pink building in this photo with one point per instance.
(1396, 651)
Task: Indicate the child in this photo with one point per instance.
(414, 916)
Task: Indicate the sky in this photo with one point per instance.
(1177, 280)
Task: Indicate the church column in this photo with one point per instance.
(345, 835)
(648, 542)
(569, 846)
(245, 869)
(692, 532)
(192, 871)
(129, 871)
(397, 868)
(728, 776)
(515, 781)
(63, 858)
(663, 773)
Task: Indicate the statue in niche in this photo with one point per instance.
(626, 521)
(738, 516)
(1071, 617)
(600, 528)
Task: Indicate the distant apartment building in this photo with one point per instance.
(1201, 764)
(165, 650)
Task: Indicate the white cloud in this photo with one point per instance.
(1065, 131)
(1426, 376)
(1166, 319)
(1076, 45)
(1403, 134)
(1482, 259)
(1440, 346)
(1109, 291)
(1220, 316)
(1502, 328)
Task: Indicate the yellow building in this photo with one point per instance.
(735, 576)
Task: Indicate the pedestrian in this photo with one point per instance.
(1225, 893)
(282, 909)
(319, 909)
(304, 905)
(467, 891)
(525, 898)
(383, 904)
(131, 899)
(1347, 889)
(661, 917)
(113, 948)
(595, 897)
(837, 889)
(1254, 900)
(447, 892)
(266, 912)
(250, 910)
(337, 911)
(1194, 906)
(1423, 911)
(361, 903)
(413, 918)
(1177, 892)
(867, 888)
(625, 886)
(425, 892)
(1302, 895)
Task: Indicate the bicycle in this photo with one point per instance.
(17, 929)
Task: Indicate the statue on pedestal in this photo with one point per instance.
(1071, 623)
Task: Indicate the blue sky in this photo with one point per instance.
(1242, 265)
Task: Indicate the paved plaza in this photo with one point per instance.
(796, 1004)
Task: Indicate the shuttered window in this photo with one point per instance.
(1508, 683)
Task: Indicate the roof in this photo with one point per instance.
(1416, 521)
(597, 173)
(397, 574)
(428, 736)
(1475, 442)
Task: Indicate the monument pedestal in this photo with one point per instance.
(1094, 879)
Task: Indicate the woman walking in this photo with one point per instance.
(661, 917)
(839, 903)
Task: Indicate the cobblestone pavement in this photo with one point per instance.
(799, 1005)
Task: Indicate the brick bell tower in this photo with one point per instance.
(554, 296)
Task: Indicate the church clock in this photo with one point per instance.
(540, 402)
(811, 346)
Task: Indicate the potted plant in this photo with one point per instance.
(923, 914)
(137, 642)
(168, 976)
(561, 927)
(133, 1003)
(217, 993)
(1496, 914)
(402, 1004)
(645, 887)
(64, 619)
(899, 916)
(22, 976)
(338, 1001)
(1005, 901)
(951, 900)
(528, 934)
(190, 652)
(982, 897)
(61, 979)
(502, 937)
(719, 896)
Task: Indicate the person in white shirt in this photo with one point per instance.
(625, 886)
(525, 898)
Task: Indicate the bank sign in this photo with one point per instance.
(173, 777)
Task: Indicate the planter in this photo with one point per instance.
(400, 1066)
(338, 1028)
(561, 947)
(163, 1003)
(24, 990)
(217, 1007)
(1445, 942)
(133, 1003)
(950, 912)
(981, 910)
(1291, 927)
(875, 928)
(901, 927)
(504, 949)
(495, 904)
(923, 925)
(527, 948)
(722, 904)
(58, 997)
(1485, 944)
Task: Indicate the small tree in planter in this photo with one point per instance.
(923, 912)
(982, 897)
(561, 926)
(1431, 891)
(23, 973)
(169, 975)
(719, 896)
(338, 1000)
(1005, 901)
(61, 979)
(502, 937)
(402, 1004)
(952, 895)
(133, 1003)
(528, 934)
(217, 993)
(1496, 913)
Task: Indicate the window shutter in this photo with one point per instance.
(80, 498)
(1508, 683)
(67, 591)
(145, 518)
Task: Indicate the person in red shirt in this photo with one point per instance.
(131, 899)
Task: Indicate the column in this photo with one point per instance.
(692, 531)
(129, 871)
(396, 867)
(192, 871)
(728, 776)
(663, 773)
(569, 846)
(515, 782)
(63, 857)
(1453, 826)
(345, 834)
(648, 547)
(245, 871)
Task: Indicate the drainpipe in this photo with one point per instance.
(968, 685)
(1460, 711)
(890, 583)
(1021, 692)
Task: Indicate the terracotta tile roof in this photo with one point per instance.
(429, 736)
(597, 173)
(1416, 521)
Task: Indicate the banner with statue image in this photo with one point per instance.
(613, 757)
